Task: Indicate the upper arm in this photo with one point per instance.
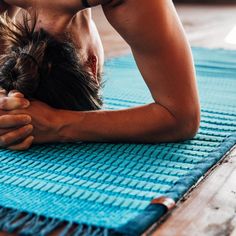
(156, 37)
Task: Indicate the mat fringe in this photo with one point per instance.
(28, 224)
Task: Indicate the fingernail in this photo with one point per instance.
(29, 128)
(26, 104)
(3, 91)
(11, 92)
(27, 119)
(31, 138)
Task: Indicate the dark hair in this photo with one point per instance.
(41, 67)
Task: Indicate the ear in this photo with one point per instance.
(92, 64)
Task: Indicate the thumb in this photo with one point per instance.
(15, 93)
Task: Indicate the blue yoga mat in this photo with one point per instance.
(107, 189)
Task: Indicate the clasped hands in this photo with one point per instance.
(23, 122)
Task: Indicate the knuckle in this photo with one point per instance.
(3, 141)
(19, 93)
(23, 102)
(3, 92)
(3, 103)
(29, 128)
(26, 146)
(25, 130)
(29, 142)
(21, 132)
(13, 91)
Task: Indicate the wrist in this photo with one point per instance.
(67, 125)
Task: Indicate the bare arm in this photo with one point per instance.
(163, 56)
(161, 50)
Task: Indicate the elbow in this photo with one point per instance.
(188, 125)
(182, 126)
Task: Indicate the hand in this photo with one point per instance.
(15, 130)
(46, 121)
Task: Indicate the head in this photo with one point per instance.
(44, 68)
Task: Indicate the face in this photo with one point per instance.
(47, 69)
(86, 40)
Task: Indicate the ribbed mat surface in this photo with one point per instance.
(111, 185)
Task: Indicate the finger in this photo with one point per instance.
(16, 136)
(24, 145)
(3, 93)
(4, 131)
(15, 93)
(12, 103)
(10, 121)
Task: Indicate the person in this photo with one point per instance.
(41, 67)
(163, 56)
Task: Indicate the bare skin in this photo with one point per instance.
(162, 54)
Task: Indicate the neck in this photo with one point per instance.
(58, 23)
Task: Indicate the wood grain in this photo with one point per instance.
(210, 209)
(205, 25)
(208, 25)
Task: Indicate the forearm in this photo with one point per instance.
(149, 124)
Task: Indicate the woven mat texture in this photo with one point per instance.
(109, 185)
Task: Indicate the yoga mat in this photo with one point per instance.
(107, 189)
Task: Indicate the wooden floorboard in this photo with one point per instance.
(205, 25)
(208, 25)
(210, 209)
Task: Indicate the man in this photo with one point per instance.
(159, 46)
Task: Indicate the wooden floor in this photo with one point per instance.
(206, 26)
(210, 209)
